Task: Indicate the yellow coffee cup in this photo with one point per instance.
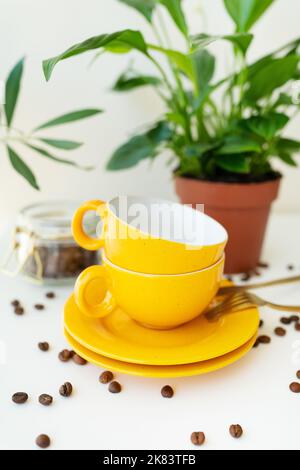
(155, 300)
(153, 236)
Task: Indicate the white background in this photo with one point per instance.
(40, 29)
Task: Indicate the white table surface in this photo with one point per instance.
(253, 392)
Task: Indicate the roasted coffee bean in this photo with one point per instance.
(198, 438)
(39, 306)
(246, 277)
(290, 267)
(236, 431)
(263, 265)
(256, 272)
(297, 326)
(167, 391)
(264, 339)
(280, 331)
(43, 346)
(45, 399)
(15, 303)
(295, 387)
(64, 355)
(256, 344)
(114, 387)
(43, 441)
(106, 377)
(78, 359)
(66, 389)
(19, 397)
(294, 318)
(19, 310)
(285, 320)
(229, 278)
(298, 374)
(50, 295)
(261, 323)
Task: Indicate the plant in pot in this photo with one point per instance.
(36, 140)
(223, 134)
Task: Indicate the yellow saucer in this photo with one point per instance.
(186, 370)
(121, 338)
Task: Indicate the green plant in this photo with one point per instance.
(226, 129)
(33, 140)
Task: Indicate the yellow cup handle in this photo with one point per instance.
(93, 275)
(83, 240)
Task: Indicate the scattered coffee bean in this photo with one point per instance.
(15, 303)
(114, 387)
(246, 277)
(229, 278)
(167, 391)
(106, 377)
(256, 344)
(78, 359)
(43, 441)
(19, 397)
(264, 339)
(45, 399)
(297, 326)
(19, 310)
(280, 331)
(294, 318)
(43, 346)
(236, 431)
(298, 374)
(66, 389)
(256, 272)
(50, 295)
(39, 306)
(64, 355)
(263, 265)
(290, 267)
(285, 321)
(198, 438)
(295, 387)
(261, 323)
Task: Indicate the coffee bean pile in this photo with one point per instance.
(107, 377)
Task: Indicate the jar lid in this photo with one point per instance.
(53, 218)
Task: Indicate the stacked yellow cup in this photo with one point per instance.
(162, 261)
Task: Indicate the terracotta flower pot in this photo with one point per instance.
(243, 209)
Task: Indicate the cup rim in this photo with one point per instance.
(166, 201)
(119, 268)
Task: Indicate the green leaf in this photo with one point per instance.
(47, 154)
(61, 144)
(274, 75)
(267, 126)
(140, 147)
(69, 117)
(129, 81)
(241, 40)
(127, 38)
(287, 158)
(175, 10)
(234, 163)
(12, 88)
(204, 67)
(145, 7)
(177, 118)
(289, 145)
(20, 166)
(182, 61)
(238, 144)
(245, 13)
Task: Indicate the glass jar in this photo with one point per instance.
(43, 246)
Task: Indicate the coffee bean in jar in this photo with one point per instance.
(44, 246)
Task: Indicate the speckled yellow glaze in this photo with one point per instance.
(138, 251)
(159, 301)
(184, 370)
